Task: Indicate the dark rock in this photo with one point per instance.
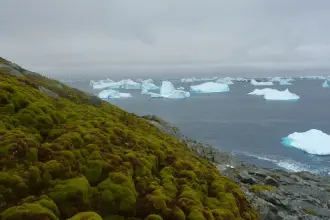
(10, 70)
(271, 181)
(259, 173)
(244, 177)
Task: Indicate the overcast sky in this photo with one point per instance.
(73, 36)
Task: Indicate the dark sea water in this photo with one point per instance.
(248, 126)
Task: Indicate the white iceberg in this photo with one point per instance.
(261, 91)
(129, 84)
(167, 88)
(148, 81)
(168, 91)
(209, 87)
(226, 80)
(144, 92)
(103, 84)
(325, 84)
(181, 88)
(113, 94)
(313, 77)
(189, 80)
(208, 78)
(273, 94)
(178, 94)
(255, 83)
(281, 80)
(240, 79)
(313, 141)
(285, 82)
(148, 86)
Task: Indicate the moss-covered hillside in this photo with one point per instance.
(67, 155)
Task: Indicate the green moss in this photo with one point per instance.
(60, 145)
(116, 194)
(259, 188)
(309, 211)
(94, 170)
(32, 155)
(196, 215)
(86, 216)
(53, 167)
(28, 212)
(153, 217)
(70, 195)
(178, 214)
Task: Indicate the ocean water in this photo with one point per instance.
(248, 126)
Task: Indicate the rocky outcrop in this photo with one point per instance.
(276, 194)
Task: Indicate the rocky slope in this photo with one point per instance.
(65, 154)
(276, 194)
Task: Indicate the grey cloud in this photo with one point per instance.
(83, 35)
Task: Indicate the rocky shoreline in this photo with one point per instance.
(276, 194)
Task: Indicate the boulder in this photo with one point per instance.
(271, 181)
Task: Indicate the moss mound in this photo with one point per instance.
(71, 155)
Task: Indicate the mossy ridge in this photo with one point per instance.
(84, 153)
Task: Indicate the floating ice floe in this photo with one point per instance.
(284, 82)
(209, 87)
(312, 77)
(103, 84)
(113, 94)
(226, 80)
(281, 80)
(313, 141)
(193, 79)
(325, 84)
(180, 88)
(240, 79)
(256, 83)
(189, 80)
(273, 94)
(208, 78)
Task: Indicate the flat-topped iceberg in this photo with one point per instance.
(273, 94)
(256, 83)
(312, 77)
(110, 84)
(113, 94)
(194, 79)
(189, 80)
(325, 84)
(103, 84)
(313, 141)
(209, 87)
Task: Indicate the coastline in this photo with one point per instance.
(274, 193)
